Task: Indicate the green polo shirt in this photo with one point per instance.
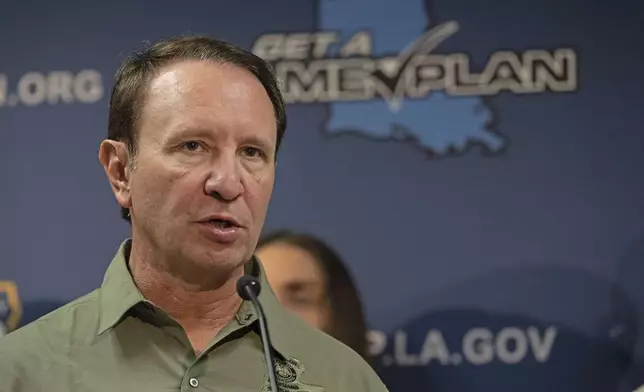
(114, 340)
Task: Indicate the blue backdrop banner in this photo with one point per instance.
(477, 164)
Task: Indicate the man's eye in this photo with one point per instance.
(192, 145)
(252, 152)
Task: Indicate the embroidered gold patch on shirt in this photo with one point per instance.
(288, 373)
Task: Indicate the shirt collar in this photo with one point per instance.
(118, 291)
(119, 294)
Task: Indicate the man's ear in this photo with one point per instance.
(114, 156)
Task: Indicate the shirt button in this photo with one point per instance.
(194, 382)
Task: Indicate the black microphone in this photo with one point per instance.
(248, 288)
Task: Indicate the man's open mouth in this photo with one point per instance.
(221, 223)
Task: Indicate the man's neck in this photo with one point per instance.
(202, 310)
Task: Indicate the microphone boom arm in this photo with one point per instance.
(249, 291)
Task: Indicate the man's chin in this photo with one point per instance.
(209, 276)
(220, 261)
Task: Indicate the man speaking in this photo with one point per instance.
(195, 125)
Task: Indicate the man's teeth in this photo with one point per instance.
(221, 224)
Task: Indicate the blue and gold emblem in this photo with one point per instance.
(10, 307)
(288, 372)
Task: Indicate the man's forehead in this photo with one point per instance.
(196, 90)
(168, 82)
(189, 85)
(188, 75)
(173, 84)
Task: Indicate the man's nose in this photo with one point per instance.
(224, 182)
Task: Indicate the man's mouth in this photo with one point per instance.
(221, 223)
(221, 229)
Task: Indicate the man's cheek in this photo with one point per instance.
(263, 177)
(258, 194)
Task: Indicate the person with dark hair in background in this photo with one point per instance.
(311, 280)
(194, 128)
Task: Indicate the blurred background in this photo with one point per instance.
(474, 166)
